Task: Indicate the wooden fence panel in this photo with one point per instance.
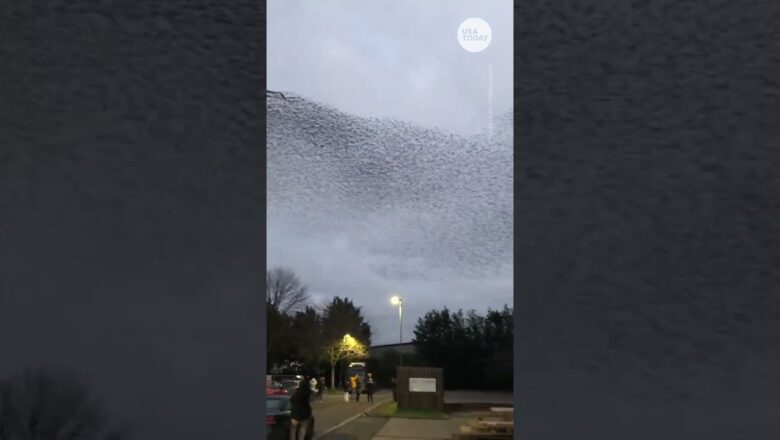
(408, 399)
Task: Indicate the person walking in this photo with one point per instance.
(320, 388)
(301, 421)
(370, 388)
(358, 388)
(353, 384)
(347, 389)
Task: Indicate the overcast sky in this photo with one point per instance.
(398, 58)
(392, 59)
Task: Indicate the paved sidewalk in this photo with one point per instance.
(414, 429)
(334, 412)
(472, 396)
(362, 428)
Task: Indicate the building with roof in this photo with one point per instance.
(377, 351)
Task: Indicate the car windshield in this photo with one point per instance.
(276, 404)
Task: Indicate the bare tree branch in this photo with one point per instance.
(284, 290)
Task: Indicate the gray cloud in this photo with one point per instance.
(397, 59)
(337, 266)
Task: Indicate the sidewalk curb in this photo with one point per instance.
(318, 437)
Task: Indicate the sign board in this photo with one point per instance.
(422, 385)
(420, 388)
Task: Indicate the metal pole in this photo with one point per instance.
(400, 332)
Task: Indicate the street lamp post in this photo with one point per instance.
(396, 300)
(345, 361)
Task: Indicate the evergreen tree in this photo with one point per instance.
(475, 351)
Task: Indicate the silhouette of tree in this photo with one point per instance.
(278, 327)
(475, 351)
(284, 291)
(306, 336)
(346, 348)
(40, 405)
(341, 317)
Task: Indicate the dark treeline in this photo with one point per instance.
(300, 334)
(474, 350)
(302, 337)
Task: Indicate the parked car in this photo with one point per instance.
(290, 385)
(281, 377)
(277, 418)
(275, 388)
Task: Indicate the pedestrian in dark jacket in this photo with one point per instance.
(300, 412)
(395, 389)
(357, 388)
(370, 388)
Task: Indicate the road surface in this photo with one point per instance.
(362, 428)
(334, 412)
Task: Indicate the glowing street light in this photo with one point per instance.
(397, 301)
(350, 342)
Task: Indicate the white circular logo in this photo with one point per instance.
(474, 34)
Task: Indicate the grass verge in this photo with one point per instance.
(390, 409)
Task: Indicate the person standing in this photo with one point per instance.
(353, 384)
(313, 386)
(320, 387)
(357, 388)
(300, 412)
(347, 389)
(370, 388)
(395, 389)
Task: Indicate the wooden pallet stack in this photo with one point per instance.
(499, 425)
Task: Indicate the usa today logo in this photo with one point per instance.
(474, 34)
